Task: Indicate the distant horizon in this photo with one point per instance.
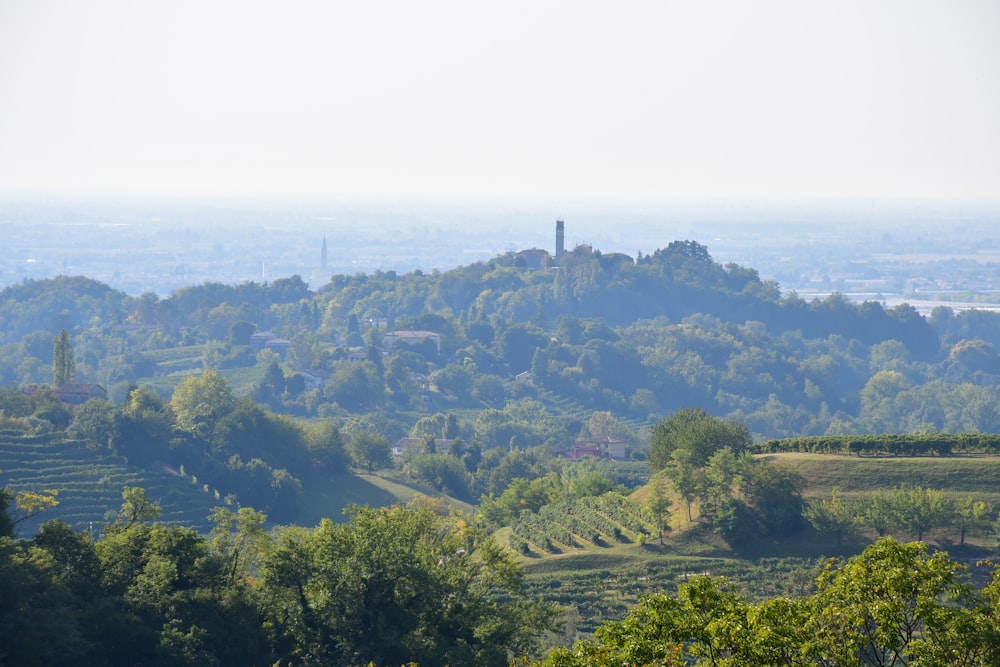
(529, 101)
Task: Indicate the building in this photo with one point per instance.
(533, 258)
(410, 338)
(560, 240)
(603, 448)
(78, 394)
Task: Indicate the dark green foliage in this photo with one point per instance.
(692, 435)
(398, 585)
(893, 604)
(894, 444)
(63, 361)
(6, 521)
(442, 472)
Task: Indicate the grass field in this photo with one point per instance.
(958, 475)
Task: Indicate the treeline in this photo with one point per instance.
(388, 587)
(904, 509)
(889, 444)
(640, 337)
(893, 604)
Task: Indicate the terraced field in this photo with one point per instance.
(89, 483)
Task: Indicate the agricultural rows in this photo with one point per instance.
(596, 589)
(599, 520)
(88, 484)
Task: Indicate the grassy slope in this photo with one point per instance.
(974, 475)
(328, 497)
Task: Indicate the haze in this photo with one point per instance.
(516, 101)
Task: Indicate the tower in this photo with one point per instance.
(560, 240)
(322, 257)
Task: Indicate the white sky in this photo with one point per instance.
(645, 100)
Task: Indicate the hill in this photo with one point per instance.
(89, 483)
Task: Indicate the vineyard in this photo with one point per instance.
(596, 520)
(593, 587)
(88, 484)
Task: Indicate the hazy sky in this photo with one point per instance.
(533, 99)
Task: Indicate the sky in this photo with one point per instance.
(645, 100)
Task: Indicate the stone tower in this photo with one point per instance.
(560, 240)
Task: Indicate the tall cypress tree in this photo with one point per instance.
(63, 363)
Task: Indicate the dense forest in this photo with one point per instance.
(263, 395)
(639, 337)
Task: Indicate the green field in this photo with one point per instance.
(960, 475)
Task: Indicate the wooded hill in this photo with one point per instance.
(638, 337)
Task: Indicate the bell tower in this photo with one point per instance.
(560, 240)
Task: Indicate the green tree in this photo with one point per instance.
(369, 451)
(658, 505)
(63, 363)
(919, 509)
(834, 516)
(199, 402)
(401, 584)
(881, 607)
(972, 516)
(697, 435)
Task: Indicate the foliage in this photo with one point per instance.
(400, 584)
(893, 604)
(692, 435)
(63, 362)
(199, 402)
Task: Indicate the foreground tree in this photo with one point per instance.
(894, 604)
(400, 584)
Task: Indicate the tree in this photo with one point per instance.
(972, 516)
(697, 435)
(835, 516)
(199, 402)
(919, 509)
(894, 604)
(6, 520)
(881, 606)
(368, 450)
(658, 505)
(63, 363)
(401, 584)
(136, 508)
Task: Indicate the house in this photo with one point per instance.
(410, 338)
(279, 346)
(533, 258)
(259, 339)
(315, 379)
(602, 448)
(357, 354)
(78, 394)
